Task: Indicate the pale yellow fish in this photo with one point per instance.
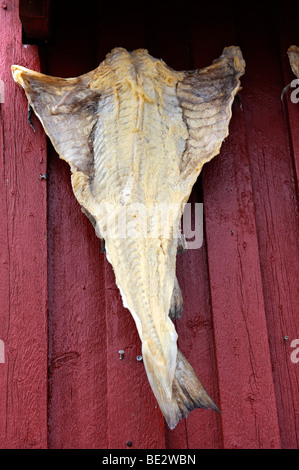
(293, 53)
(136, 134)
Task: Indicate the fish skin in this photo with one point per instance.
(176, 303)
(136, 134)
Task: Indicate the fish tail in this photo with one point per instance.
(187, 393)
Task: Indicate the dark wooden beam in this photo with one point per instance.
(35, 17)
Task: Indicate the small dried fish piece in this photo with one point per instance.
(293, 53)
(136, 134)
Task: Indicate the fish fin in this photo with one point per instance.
(63, 107)
(205, 96)
(176, 303)
(182, 244)
(187, 393)
(89, 216)
(29, 116)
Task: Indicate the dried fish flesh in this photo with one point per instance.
(293, 53)
(136, 134)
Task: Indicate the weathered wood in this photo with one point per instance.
(276, 207)
(131, 403)
(240, 289)
(196, 340)
(77, 409)
(247, 399)
(288, 36)
(77, 357)
(35, 16)
(23, 254)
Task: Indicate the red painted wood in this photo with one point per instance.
(77, 324)
(35, 16)
(23, 254)
(288, 35)
(288, 29)
(276, 210)
(247, 400)
(240, 289)
(196, 341)
(131, 404)
(77, 355)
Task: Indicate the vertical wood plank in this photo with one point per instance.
(23, 254)
(287, 19)
(77, 324)
(134, 419)
(276, 206)
(287, 16)
(247, 400)
(196, 341)
(77, 329)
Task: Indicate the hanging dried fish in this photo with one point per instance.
(293, 53)
(136, 134)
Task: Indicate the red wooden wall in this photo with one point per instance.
(62, 322)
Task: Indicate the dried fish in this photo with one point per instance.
(293, 53)
(136, 134)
